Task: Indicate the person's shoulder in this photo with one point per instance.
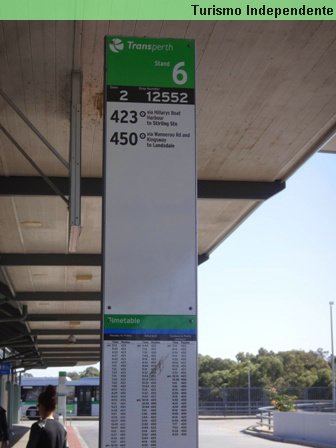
(55, 423)
(35, 425)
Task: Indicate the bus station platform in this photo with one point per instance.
(20, 434)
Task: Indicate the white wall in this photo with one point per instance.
(306, 426)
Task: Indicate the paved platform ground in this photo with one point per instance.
(20, 434)
(213, 433)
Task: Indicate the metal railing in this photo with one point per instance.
(316, 406)
(265, 414)
(221, 408)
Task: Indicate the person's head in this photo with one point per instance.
(47, 402)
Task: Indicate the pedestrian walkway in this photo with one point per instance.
(73, 439)
(20, 434)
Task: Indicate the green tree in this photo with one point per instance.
(73, 375)
(268, 369)
(283, 370)
(324, 378)
(89, 372)
(208, 364)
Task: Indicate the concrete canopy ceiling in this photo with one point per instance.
(265, 103)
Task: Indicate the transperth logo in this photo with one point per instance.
(116, 45)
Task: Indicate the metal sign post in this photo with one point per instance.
(149, 349)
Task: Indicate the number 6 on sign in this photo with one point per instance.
(180, 76)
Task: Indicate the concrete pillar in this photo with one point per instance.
(3, 391)
(16, 396)
(61, 396)
(9, 389)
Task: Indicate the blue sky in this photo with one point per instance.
(269, 284)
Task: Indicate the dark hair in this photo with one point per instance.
(48, 398)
